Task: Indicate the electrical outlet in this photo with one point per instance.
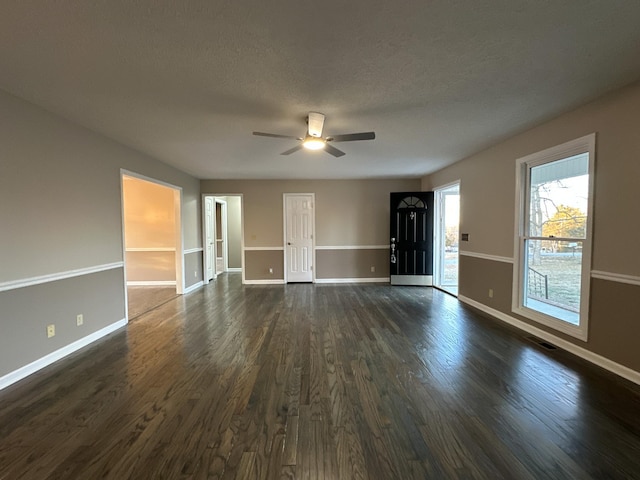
(270, 270)
(195, 274)
(79, 319)
(491, 293)
(373, 269)
(51, 331)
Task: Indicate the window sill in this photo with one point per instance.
(577, 331)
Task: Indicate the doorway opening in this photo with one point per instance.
(152, 242)
(446, 255)
(223, 235)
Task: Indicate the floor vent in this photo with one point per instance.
(542, 343)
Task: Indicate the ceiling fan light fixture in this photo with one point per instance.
(313, 143)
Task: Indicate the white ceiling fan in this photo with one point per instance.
(313, 139)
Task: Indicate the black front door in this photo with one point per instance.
(411, 230)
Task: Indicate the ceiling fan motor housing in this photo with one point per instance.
(315, 122)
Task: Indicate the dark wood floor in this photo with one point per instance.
(319, 381)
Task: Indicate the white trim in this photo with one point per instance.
(178, 226)
(440, 195)
(53, 277)
(353, 280)
(559, 152)
(615, 277)
(204, 242)
(353, 247)
(234, 270)
(179, 231)
(447, 185)
(486, 256)
(578, 146)
(256, 249)
(192, 250)
(150, 249)
(264, 282)
(124, 243)
(59, 354)
(599, 360)
(207, 227)
(550, 321)
(152, 283)
(193, 287)
(139, 176)
(225, 237)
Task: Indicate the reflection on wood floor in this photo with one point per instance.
(319, 381)
(144, 299)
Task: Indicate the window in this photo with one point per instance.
(554, 191)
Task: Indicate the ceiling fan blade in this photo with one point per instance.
(315, 123)
(350, 137)
(292, 150)
(274, 135)
(333, 150)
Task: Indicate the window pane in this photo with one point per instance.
(552, 279)
(558, 198)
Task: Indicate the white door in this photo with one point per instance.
(210, 254)
(299, 221)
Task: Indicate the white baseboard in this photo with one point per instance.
(264, 282)
(234, 270)
(610, 365)
(59, 354)
(353, 280)
(193, 287)
(152, 283)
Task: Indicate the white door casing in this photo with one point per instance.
(299, 226)
(221, 236)
(209, 226)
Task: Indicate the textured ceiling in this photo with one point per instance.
(187, 82)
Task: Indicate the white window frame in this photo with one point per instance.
(586, 144)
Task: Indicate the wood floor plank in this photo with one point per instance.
(311, 381)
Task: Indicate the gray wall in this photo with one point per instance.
(487, 213)
(348, 213)
(60, 213)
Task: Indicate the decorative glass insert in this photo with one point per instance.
(412, 202)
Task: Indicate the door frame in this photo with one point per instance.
(313, 234)
(179, 252)
(208, 227)
(438, 232)
(396, 276)
(204, 233)
(223, 225)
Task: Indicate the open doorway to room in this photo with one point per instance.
(222, 220)
(447, 226)
(152, 242)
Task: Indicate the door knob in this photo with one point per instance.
(288, 243)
